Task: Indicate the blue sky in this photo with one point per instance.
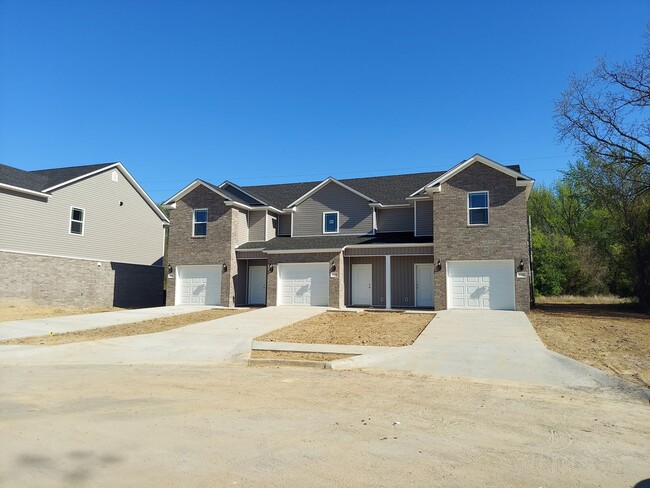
(262, 92)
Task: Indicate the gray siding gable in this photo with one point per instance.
(355, 215)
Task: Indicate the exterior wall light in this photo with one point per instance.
(270, 268)
(170, 270)
(521, 264)
(225, 267)
(439, 265)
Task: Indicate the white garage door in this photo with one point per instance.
(303, 284)
(481, 284)
(198, 285)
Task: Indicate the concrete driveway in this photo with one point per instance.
(491, 345)
(221, 340)
(14, 329)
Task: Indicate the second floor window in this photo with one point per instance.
(200, 227)
(77, 221)
(478, 204)
(330, 222)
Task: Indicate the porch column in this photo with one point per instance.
(388, 304)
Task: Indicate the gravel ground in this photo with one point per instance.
(163, 426)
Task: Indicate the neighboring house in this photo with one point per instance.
(454, 239)
(84, 236)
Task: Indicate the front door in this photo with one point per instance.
(362, 284)
(424, 285)
(257, 285)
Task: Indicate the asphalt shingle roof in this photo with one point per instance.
(39, 180)
(389, 190)
(285, 243)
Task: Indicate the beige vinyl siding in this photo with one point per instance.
(424, 218)
(256, 225)
(130, 233)
(284, 223)
(395, 219)
(355, 216)
(271, 226)
(240, 227)
(378, 279)
(402, 274)
(383, 251)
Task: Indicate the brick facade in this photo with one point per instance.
(48, 280)
(506, 236)
(216, 248)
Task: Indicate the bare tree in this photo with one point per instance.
(605, 114)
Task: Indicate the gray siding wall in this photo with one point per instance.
(271, 226)
(127, 233)
(355, 216)
(256, 225)
(284, 225)
(424, 218)
(395, 220)
(383, 251)
(46, 280)
(251, 255)
(506, 237)
(378, 279)
(402, 274)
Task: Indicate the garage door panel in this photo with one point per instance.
(481, 284)
(304, 284)
(198, 285)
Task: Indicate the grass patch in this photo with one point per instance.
(123, 330)
(23, 312)
(391, 329)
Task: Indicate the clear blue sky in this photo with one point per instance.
(262, 92)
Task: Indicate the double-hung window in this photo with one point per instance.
(330, 222)
(478, 205)
(77, 221)
(200, 223)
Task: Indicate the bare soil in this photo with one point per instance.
(391, 329)
(23, 312)
(133, 328)
(181, 426)
(609, 336)
(303, 356)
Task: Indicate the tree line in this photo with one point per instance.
(591, 228)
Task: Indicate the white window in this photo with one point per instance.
(77, 220)
(330, 222)
(478, 203)
(200, 227)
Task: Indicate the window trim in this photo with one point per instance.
(487, 207)
(82, 221)
(194, 222)
(337, 222)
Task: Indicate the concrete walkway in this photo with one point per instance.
(491, 345)
(222, 340)
(71, 323)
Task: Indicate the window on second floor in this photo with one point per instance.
(77, 221)
(330, 222)
(478, 204)
(200, 223)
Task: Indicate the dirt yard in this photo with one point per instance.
(123, 330)
(303, 356)
(609, 336)
(170, 426)
(24, 311)
(354, 328)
